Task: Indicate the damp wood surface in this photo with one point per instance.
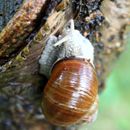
(21, 85)
(14, 35)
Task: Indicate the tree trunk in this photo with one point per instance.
(21, 86)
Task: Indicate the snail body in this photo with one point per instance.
(70, 95)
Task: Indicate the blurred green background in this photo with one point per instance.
(114, 105)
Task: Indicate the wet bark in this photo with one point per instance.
(21, 86)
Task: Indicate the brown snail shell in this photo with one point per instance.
(70, 92)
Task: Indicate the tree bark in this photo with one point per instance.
(21, 86)
(7, 10)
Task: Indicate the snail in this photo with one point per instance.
(71, 93)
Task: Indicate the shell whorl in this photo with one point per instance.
(70, 91)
